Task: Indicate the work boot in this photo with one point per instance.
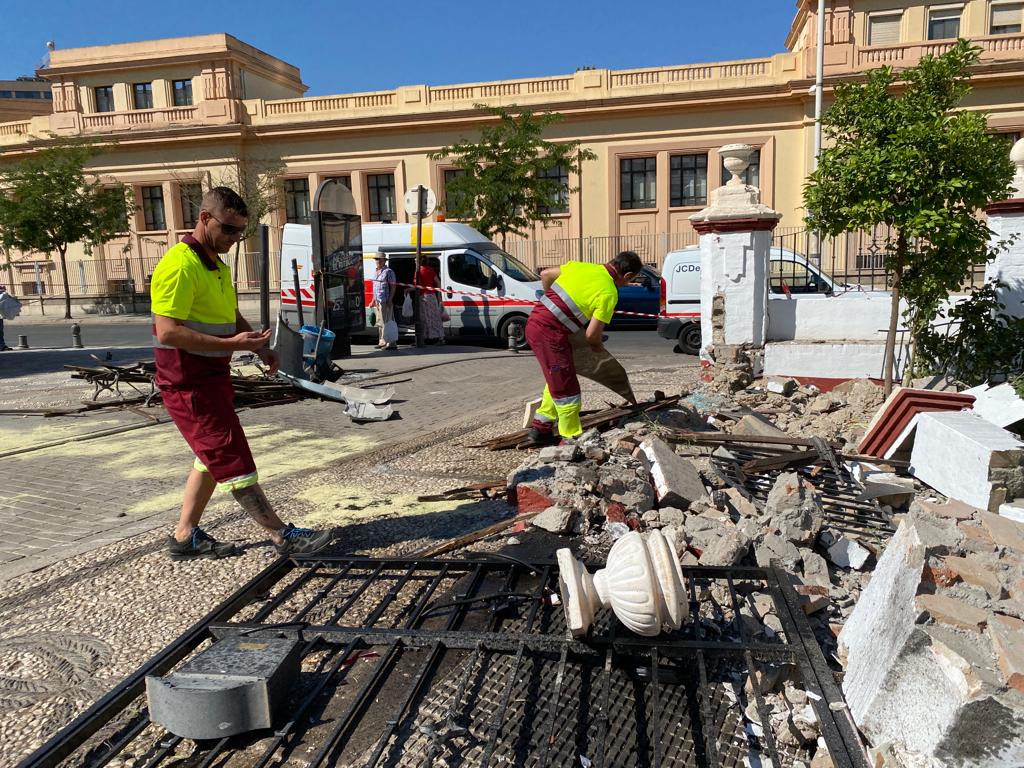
(303, 541)
(540, 437)
(200, 545)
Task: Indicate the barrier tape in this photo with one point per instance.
(525, 302)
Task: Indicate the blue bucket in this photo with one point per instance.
(317, 354)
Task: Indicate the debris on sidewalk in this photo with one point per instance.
(127, 386)
(919, 595)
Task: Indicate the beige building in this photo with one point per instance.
(184, 112)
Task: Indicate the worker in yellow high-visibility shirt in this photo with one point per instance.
(576, 296)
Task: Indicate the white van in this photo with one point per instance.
(486, 292)
(790, 273)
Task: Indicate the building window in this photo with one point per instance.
(143, 93)
(944, 23)
(191, 199)
(560, 200)
(104, 98)
(450, 203)
(296, 201)
(380, 188)
(183, 93)
(688, 180)
(1006, 18)
(153, 208)
(638, 180)
(884, 29)
(752, 175)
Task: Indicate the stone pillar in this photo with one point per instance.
(735, 238)
(1006, 220)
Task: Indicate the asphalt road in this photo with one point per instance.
(105, 333)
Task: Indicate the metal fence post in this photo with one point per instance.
(264, 233)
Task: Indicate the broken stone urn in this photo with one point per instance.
(642, 583)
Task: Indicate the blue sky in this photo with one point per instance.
(343, 46)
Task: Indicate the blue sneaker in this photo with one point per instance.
(200, 545)
(303, 541)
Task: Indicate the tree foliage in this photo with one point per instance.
(899, 156)
(48, 201)
(503, 189)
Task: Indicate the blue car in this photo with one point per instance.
(642, 295)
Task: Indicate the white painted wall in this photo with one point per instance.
(825, 360)
(828, 318)
(735, 264)
(1008, 266)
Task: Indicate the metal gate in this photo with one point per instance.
(468, 663)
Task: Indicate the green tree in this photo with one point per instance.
(504, 188)
(899, 156)
(49, 201)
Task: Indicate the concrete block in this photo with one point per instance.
(1004, 531)
(952, 612)
(555, 519)
(743, 506)
(952, 509)
(973, 570)
(924, 690)
(955, 453)
(676, 480)
(529, 411)
(1007, 635)
(781, 386)
(888, 488)
(672, 516)
(999, 405)
(795, 509)
(756, 425)
(815, 569)
(552, 453)
(847, 553)
(773, 547)
(728, 549)
(1013, 510)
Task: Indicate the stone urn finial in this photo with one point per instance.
(1017, 157)
(736, 158)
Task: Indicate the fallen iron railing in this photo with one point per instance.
(468, 662)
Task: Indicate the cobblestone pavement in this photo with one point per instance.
(70, 631)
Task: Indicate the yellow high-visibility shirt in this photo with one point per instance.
(184, 288)
(591, 288)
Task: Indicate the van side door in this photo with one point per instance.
(470, 283)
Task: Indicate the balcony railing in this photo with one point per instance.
(656, 76)
(908, 54)
(140, 117)
(19, 128)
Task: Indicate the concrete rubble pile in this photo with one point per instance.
(929, 629)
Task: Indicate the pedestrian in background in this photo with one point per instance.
(384, 299)
(431, 311)
(10, 308)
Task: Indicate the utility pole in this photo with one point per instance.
(579, 197)
(421, 203)
(819, 87)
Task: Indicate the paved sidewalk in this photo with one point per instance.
(78, 494)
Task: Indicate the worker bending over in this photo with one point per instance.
(196, 327)
(576, 296)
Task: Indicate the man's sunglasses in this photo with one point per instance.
(229, 229)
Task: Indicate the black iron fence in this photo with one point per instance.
(805, 262)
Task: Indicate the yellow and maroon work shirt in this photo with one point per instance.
(194, 286)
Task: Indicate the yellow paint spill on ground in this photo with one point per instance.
(17, 433)
(339, 505)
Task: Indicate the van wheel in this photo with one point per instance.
(689, 339)
(513, 326)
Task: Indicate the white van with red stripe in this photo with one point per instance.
(485, 291)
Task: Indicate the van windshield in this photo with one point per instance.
(509, 265)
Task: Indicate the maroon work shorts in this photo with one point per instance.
(206, 418)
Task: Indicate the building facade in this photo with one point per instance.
(188, 113)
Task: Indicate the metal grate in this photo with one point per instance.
(468, 663)
(845, 510)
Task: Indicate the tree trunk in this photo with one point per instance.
(889, 363)
(62, 252)
(234, 272)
